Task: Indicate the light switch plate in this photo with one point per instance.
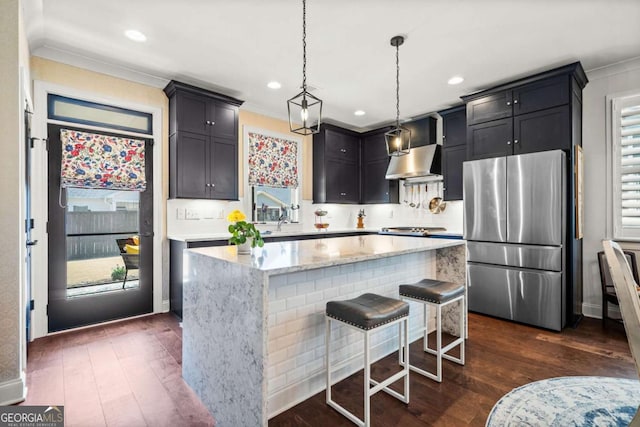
(221, 214)
(180, 213)
(192, 214)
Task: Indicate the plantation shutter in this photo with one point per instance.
(627, 115)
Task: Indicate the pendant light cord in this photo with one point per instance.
(304, 45)
(397, 85)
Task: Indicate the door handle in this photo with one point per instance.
(32, 242)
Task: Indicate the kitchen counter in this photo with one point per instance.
(297, 255)
(205, 237)
(253, 325)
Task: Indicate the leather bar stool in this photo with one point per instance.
(367, 313)
(439, 294)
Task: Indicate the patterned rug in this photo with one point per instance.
(568, 401)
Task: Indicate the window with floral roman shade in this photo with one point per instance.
(91, 160)
(273, 161)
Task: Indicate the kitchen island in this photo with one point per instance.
(253, 325)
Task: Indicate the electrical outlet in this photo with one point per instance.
(221, 214)
(391, 213)
(180, 213)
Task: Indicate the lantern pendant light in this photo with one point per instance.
(304, 108)
(398, 139)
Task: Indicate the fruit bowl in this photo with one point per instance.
(321, 225)
(320, 212)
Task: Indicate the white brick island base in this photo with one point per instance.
(253, 326)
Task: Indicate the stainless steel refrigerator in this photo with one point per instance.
(515, 227)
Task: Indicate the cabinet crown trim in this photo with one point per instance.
(174, 85)
(575, 69)
(451, 110)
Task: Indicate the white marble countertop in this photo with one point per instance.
(291, 256)
(284, 233)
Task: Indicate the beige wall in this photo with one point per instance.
(249, 118)
(10, 193)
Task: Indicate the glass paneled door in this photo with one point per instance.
(100, 246)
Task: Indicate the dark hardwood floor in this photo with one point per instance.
(122, 374)
(129, 374)
(499, 357)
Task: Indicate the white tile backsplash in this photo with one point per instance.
(211, 215)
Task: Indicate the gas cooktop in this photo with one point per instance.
(412, 231)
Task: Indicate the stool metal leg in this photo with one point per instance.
(439, 343)
(406, 367)
(377, 386)
(462, 329)
(327, 355)
(426, 327)
(439, 351)
(367, 381)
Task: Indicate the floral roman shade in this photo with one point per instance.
(91, 160)
(273, 162)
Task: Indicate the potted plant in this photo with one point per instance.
(241, 231)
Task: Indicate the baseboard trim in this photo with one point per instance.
(166, 306)
(595, 310)
(13, 391)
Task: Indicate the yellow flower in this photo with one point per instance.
(236, 216)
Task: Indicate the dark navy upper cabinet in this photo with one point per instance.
(203, 143)
(375, 161)
(350, 167)
(423, 131)
(454, 150)
(533, 114)
(491, 107)
(336, 166)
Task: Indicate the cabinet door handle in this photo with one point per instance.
(515, 141)
(515, 101)
(508, 142)
(208, 185)
(212, 185)
(208, 122)
(343, 194)
(508, 102)
(342, 150)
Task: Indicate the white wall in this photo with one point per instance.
(614, 79)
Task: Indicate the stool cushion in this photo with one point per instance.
(368, 311)
(434, 291)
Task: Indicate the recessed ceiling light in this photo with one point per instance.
(135, 35)
(359, 113)
(455, 80)
(274, 85)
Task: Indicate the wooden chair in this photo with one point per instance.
(608, 291)
(627, 292)
(131, 261)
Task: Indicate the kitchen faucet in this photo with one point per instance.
(282, 219)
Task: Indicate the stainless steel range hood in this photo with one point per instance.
(420, 162)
